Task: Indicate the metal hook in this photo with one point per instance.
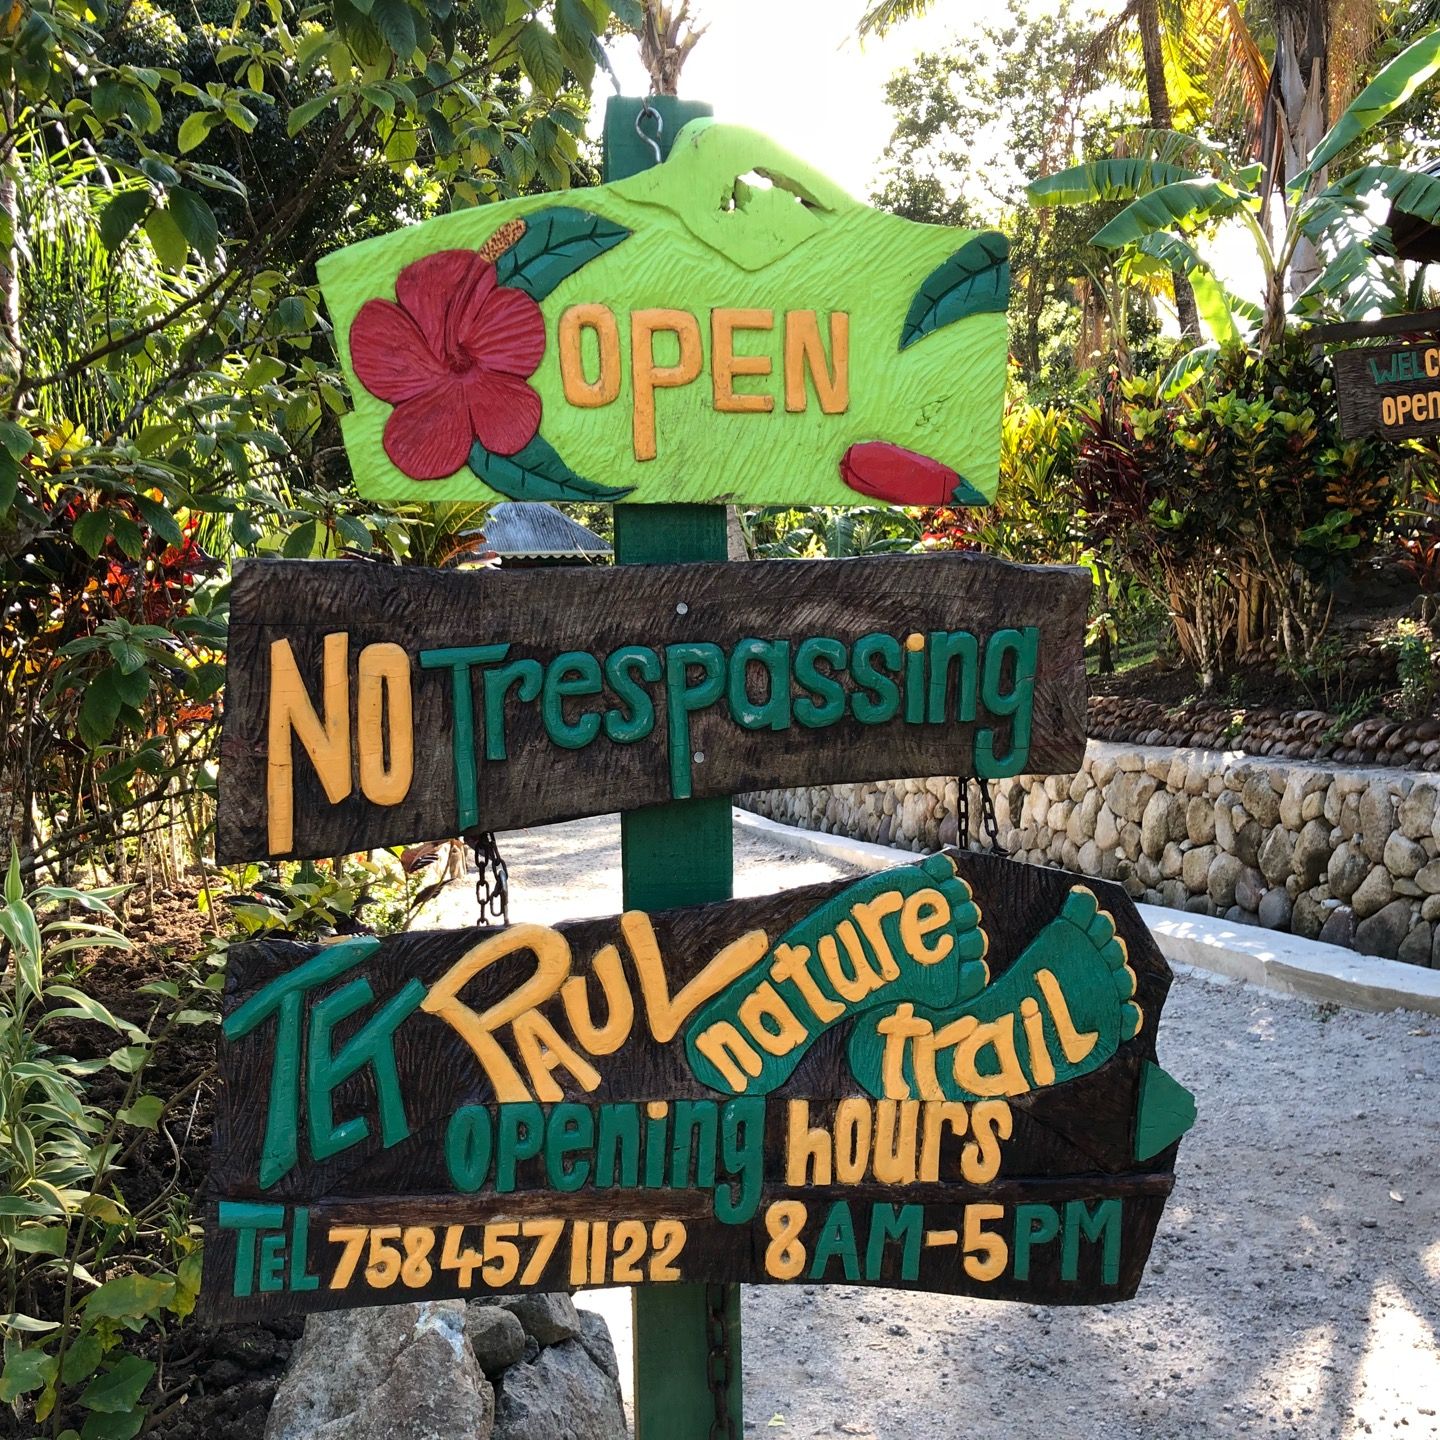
(653, 141)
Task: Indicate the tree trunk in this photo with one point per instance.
(1301, 92)
(1163, 118)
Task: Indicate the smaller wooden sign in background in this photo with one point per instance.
(1389, 390)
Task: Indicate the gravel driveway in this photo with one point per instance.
(1294, 1289)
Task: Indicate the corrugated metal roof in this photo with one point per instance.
(533, 530)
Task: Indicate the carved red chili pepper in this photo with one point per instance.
(903, 477)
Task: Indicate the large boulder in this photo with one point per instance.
(374, 1374)
(561, 1394)
(1311, 855)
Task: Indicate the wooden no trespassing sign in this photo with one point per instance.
(940, 1077)
(372, 705)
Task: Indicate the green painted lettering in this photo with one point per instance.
(576, 672)
(462, 711)
(525, 677)
(877, 696)
(683, 699)
(773, 657)
(637, 717)
(522, 1133)
(947, 646)
(895, 1222)
(571, 1128)
(1016, 702)
(469, 1140)
(1103, 1223)
(826, 701)
(837, 1237)
(1034, 1225)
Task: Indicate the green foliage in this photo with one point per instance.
(970, 124)
(170, 391)
(1238, 505)
(778, 532)
(1414, 649)
(65, 1228)
(1332, 257)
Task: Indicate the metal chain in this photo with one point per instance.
(989, 824)
(718, 1364)
(492, 877)
(653, 141)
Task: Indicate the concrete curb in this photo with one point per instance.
(1286, 964)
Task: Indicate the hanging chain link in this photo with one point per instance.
(989, 824)
(492, 878)
(718, 1364)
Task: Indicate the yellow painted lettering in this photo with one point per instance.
(868, 915)
(895, 1147)
(852, 1140)
(805, 353)
(552, 957)
(646, 377)
(1076, 1044)
(666, 1015)
(807, 1151)
(771, 1022)
(544, 1051)
(730, 1053)
(600, 321)
(990, 1123)
(792, 962)
(725, 364)
(619, 1005)
(925, 912)
(383, 713)
(293, 717)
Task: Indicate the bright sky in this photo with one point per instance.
(793, 69)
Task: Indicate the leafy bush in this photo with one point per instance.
(84, 1276)
(1238, 503)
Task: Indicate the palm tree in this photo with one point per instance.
(1188, 49)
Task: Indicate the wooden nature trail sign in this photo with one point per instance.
(726, 327)
(939, 1077)
(1389, 390)
(375, 705)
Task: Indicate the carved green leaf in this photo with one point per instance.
(973, 281)
(556, 243)
(537, 473)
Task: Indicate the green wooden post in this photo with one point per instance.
(678, 854)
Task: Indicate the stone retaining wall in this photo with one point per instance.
(1350, 856)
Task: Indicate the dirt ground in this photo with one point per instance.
(1294, 1289)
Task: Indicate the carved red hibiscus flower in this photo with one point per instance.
(452, 358)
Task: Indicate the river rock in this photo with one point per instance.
(376, 1373)
(1377, 819)
(1258, 796)
(1276, 907)
(1276, 854)
(1415, 947)
(1347, 868)
(1171, 861)
(1195, 867)
(562, 1394)
(1311, 855)
(1373, 893)
(1339, 928)
(1417, 812)
(1247, 841)
(1404, 857)
(1249, 887)
(1131, 793)
(1225, 870)
(1107, 828)
(1309, 914)
(1382, 932)
(1162, 822)
(1199, 820)
(495, 1335)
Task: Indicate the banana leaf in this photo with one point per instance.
(1194, 199)
(1385, 94)
(1228, 318)
(1106, 180)
(1188, 369)
(1412, 191)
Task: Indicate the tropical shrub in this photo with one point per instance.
(1238, 504)
(83, 1275)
